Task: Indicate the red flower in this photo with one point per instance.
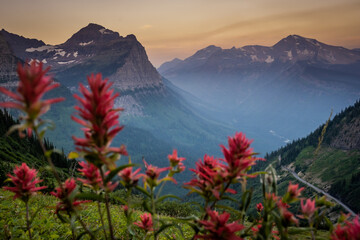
(25, 181)
(146, 222)
(308, 208)
(350, 231)
(91, 173)
(294, 190)
(63, 193)
(152, 174)
(32, 86)
(217, 227)
(286, 215)
(176, 162)
(130, 178)
(93, 177)
(100, 120)
(239, 156)
(210, 178)
(259, 207)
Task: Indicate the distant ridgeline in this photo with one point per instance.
(335, 167)
(15, 150)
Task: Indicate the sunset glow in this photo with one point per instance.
(169, 29)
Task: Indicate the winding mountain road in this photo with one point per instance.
(320, 191)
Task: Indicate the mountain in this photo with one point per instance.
(335, 167)
(157, 118)
(8, 62)
(277, 93)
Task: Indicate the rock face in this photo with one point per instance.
(348, 137)
(291, 49)
(92, 49)
(8, 63)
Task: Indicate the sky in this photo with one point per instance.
(178, 28)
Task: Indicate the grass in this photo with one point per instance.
(46, 225)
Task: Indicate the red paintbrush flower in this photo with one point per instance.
(100, 120)
(286, 216)
(25, 181)
(32, 86)
(210, 178)
(176, 163)
(259, 207)
(308, 208)
(152, 174)
(93, 177)
(239, 156)
(146, 222)
(349, 231)
(294, 190)
(63, 193)
(130, 178)
(217, 227)
(91, 174)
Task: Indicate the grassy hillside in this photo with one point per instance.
(335, 167)
(15, 150)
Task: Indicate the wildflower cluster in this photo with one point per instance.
(214, 180)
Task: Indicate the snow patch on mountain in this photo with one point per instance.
(269, 59)
(289, 54)
(60, 52)
(104, 31)
(86, 43)
(68, 62)
(40, 49)
(76, 54)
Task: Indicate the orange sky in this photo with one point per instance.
(177, 28)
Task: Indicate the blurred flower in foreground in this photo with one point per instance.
(217, 227)
(308, 208)
(239, 156)
(349, 231)
(68, 201)
(101, 122)
(32, 86)
(25, 181)
(146, 222)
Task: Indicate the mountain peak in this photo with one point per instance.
(90, 34)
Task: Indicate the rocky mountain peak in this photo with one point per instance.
(205, 52)
(18, 43)
(91, 34)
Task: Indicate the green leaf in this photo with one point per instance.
(160, 199)
(143, 191)
(73, 155)
(62, 218)
(231, 199)
(90, 195)
(48, 153)
(162, 228)
(115, 171)
(228, 208)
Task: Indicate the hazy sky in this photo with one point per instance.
(177, 28)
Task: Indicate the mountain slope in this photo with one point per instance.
(334, 168)
(15, 150)
(287, 89)
(157, 119)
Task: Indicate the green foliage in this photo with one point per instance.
(15, 150)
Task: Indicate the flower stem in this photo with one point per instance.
(107, 207)
(101, 219)
(153, 209)
(57, 177)
(27, 219)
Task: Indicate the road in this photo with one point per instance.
(320, 191)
